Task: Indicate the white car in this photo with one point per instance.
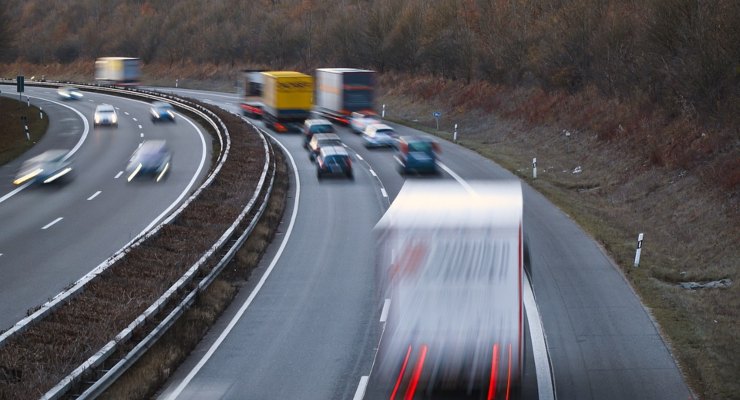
(105, 114)
(359, 121)
(69, 93)
(379, 135)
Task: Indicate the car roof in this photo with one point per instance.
(49, 155)
(321, 136)
(317, 121)
(104, 107)
(378, 127)
(334, 151)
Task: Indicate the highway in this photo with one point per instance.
(309, 324)
(53, 235)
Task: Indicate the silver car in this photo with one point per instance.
(105, 114)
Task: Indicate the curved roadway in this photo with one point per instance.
(310, 326)
(53, 235)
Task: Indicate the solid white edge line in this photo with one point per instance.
(49, 225)
(361, 387)
(359, 157)
(118, 175)
(178, 390)
(384, 313)
(545, 388)
(71, 152)
(382, 190)
(94, 195)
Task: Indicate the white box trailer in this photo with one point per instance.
(341, 91)
(449, 260)
(118, 70)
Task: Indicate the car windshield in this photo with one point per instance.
(322, 129)
(337, 160)
(329, 142)
(424, 147)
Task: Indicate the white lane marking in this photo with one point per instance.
(382, 190)
(71, 152)
(373, 173)
(384, 313)
(142, 134)
(118, 108)
(361, 387)
(94, 195)
(118, 175)
(126, 112)
(360, 157)
(139, 126)
(256, 289)
(47, 226)
(542, 365)
(1, 254)
(91, 101)
(136, 119)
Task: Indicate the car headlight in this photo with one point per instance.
(115, 118)
(97, 118)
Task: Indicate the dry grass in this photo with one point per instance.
(673, 179)
(13, 140)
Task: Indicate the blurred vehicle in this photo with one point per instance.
(287, 99)
(69, 93)
(152, 158)
(313, 126)
(321, 140)
(162, 111)
(47, 167)
(379, 135)
(358, 121)
(417, 154)
(333, 161)
(340, 91)
(105, 114)
(449, 259)
(122, 71)
(250, 89)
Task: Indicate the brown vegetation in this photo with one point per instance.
(13, 141)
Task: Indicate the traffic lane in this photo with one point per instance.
(64, 131)
(601, 340)
(310, 332)
(91, 230)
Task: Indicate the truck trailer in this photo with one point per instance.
(341, 91)
(449, 262)
(125, 71)
(287, 99)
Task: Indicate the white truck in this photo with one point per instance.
(450, 263)
(118, 70)
(341, 91)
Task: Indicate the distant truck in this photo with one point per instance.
(251, 92)
(287, 98)
(341, 91)
(118, 70)
(450, 263)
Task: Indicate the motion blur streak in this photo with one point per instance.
(58, 175)
(400, 375)
(164, 171)
(28, 176)
(133, 174)
(494, 371)
(508, 377)
(417, 374)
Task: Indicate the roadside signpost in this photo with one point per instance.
(436, 115)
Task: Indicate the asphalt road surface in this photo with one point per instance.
(53, 235)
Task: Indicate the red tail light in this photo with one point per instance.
(494, 372)
(400, 374)
(280, 127)
(417, 374)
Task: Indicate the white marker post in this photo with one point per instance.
(534, 168)
(28, 135)
(41, 113)
(454, 135)
(382, 113)
(28, 99)
(639, 250)
(177, 82)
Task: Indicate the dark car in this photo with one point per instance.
(333, 161)
(47, 167)
(162, 111)
(312, 126)
(417, 154)
(152, 158)
(320, 140)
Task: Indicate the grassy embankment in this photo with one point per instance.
(13, 141)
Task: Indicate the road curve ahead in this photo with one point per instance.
(312, 330)
(53, 235)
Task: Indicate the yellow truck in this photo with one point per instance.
(287, 98)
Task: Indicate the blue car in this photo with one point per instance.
(49, 166)
(162, 111)
(417, 154)
(152, 158)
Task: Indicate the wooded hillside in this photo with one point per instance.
(681, 54)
